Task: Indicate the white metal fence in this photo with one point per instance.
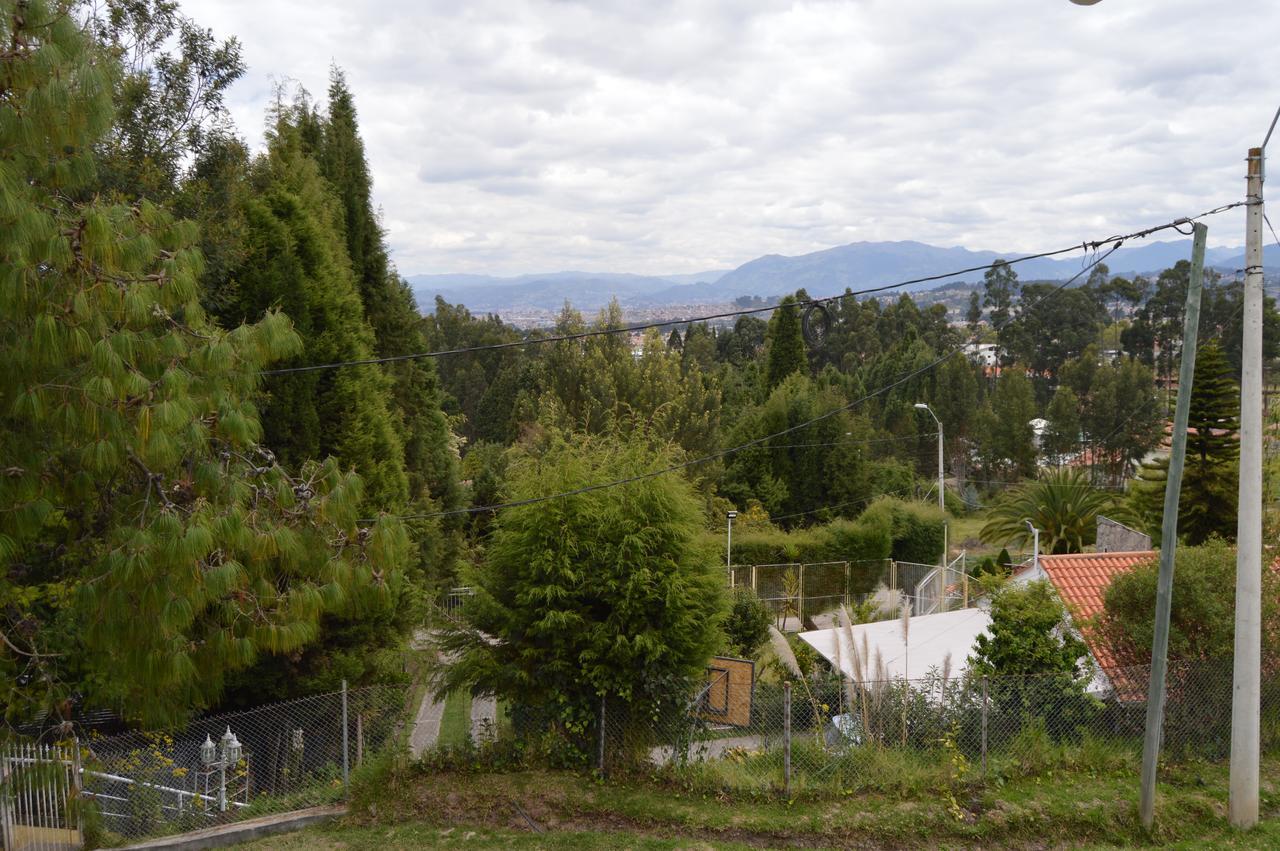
(109, 790)
(39, 789)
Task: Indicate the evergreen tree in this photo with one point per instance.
(1007, 442)
(973, 316)
(1209, 496)
(1000, 292)
(149, 546)
(607, 593)
(1210, 481)
(430, 458)
(1062, 437)
(785, 342)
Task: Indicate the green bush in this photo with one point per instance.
(747, 625)
(917, 530)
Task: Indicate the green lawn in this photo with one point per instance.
(413, 807)
(455, 723)
(420, 835)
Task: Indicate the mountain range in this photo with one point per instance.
(859, 265)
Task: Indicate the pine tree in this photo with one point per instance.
(1209, 490)
(785, 342)
(1209, 496)
(149, 546)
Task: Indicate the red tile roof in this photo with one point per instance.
(1081, 579)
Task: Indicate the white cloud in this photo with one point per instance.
(509, 137)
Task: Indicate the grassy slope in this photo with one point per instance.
(1074, 809)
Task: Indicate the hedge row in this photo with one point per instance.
(889, 528)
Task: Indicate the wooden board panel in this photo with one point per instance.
(728, 691)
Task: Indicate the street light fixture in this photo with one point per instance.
(921, 406)
(728, 548)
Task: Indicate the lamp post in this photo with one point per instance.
(220, 756)
(1035, 547)
(921, 406)
(728, 548)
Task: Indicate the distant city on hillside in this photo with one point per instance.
(534, 300)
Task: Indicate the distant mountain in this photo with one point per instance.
(859, 265)
(862, 265)
(585, 290)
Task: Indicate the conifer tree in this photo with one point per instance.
(1207, 503)
(785, 342)
(605, 594)
(149, 545)
(430, 455)
(1062, 436)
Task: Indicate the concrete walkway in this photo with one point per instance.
(426, 725)
(484, 718)
(243, 831)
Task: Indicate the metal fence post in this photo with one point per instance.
(359, 739)
(600, 754)
(77, 786)
(786, 737)
(346, 768)
(984, 724)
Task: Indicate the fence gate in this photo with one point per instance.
(38, 783)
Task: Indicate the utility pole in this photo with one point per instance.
(1246, 697)
(1169, 532)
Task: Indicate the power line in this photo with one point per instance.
(856, 442)
(599, 332)
(722, 453)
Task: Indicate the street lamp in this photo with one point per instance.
(220, 756)
(1035, 548)
(921, 406)
(728, 548)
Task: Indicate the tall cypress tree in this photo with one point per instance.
(429, 447)
(785, 341)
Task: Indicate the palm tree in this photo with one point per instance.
(1063, 505)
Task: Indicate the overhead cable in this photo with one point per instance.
(1088, 245)
(722, 453)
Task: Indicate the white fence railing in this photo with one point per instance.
(38, 784)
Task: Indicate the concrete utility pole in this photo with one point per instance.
(1246, 690)
(1169, 532)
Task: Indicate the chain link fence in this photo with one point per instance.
(819, 735)
(222, 768)
(803, 596)
(834, 735)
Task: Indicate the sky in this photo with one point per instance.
(674, 137)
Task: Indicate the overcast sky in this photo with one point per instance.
(663, 137)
